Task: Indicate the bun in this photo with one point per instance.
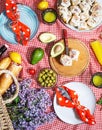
(75, 10)
(75, 21)
(66, 3)
(75, 2)
(81, 14)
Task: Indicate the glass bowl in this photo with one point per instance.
(47, 78)
(96, 79)
(49, 16)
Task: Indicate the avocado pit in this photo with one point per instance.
(57, 49)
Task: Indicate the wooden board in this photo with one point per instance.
(77, 66)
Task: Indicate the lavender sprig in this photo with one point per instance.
(29, 110)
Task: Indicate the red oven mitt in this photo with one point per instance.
(21, 31)
(72, 102)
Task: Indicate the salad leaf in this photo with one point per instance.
(99, 101)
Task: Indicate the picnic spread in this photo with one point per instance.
(50, 65)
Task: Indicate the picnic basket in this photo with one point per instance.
(5, 122)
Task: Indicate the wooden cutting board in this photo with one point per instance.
(77, 66)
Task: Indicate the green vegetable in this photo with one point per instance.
(37, 55)
(99, 101)
(16, 100)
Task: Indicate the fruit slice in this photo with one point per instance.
(97, 80)
(16, 57)
(37, 55)
(47, 37)
(57, 49)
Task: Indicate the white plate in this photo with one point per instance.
(86, 98)
(75, 29)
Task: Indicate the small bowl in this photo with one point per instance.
(96, 79)
(47, 78)
(49, 16)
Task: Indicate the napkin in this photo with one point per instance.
(21, 30)
(69, 98)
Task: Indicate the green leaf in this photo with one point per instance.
(17, 100)
(99, 101)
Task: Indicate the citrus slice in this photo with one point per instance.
(97, 80)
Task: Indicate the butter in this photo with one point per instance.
(97, 49)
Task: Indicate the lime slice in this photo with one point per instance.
(97, 80)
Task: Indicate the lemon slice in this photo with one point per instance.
(42, 5)
(16, 57)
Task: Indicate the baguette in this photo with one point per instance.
(4, 63)
(6, 80)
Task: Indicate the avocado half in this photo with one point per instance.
(58, 48)
(47, 37)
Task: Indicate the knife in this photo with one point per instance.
(65, 41)
(63, 92)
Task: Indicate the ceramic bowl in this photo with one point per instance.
(96, 79)
(49, 16)
(47, 78)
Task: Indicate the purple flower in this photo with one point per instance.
(32, 106)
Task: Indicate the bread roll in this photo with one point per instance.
(62, 10)
(66, 3)
(84, 16)
(84, 6)
(93, 21)
(75, 2)
(6, 80)
(96, 7)
(5, 62)
(75, 10)
(90, 2)
(66, 17)
(75, 21)
(83, 26)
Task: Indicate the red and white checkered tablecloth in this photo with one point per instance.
(56, 29)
